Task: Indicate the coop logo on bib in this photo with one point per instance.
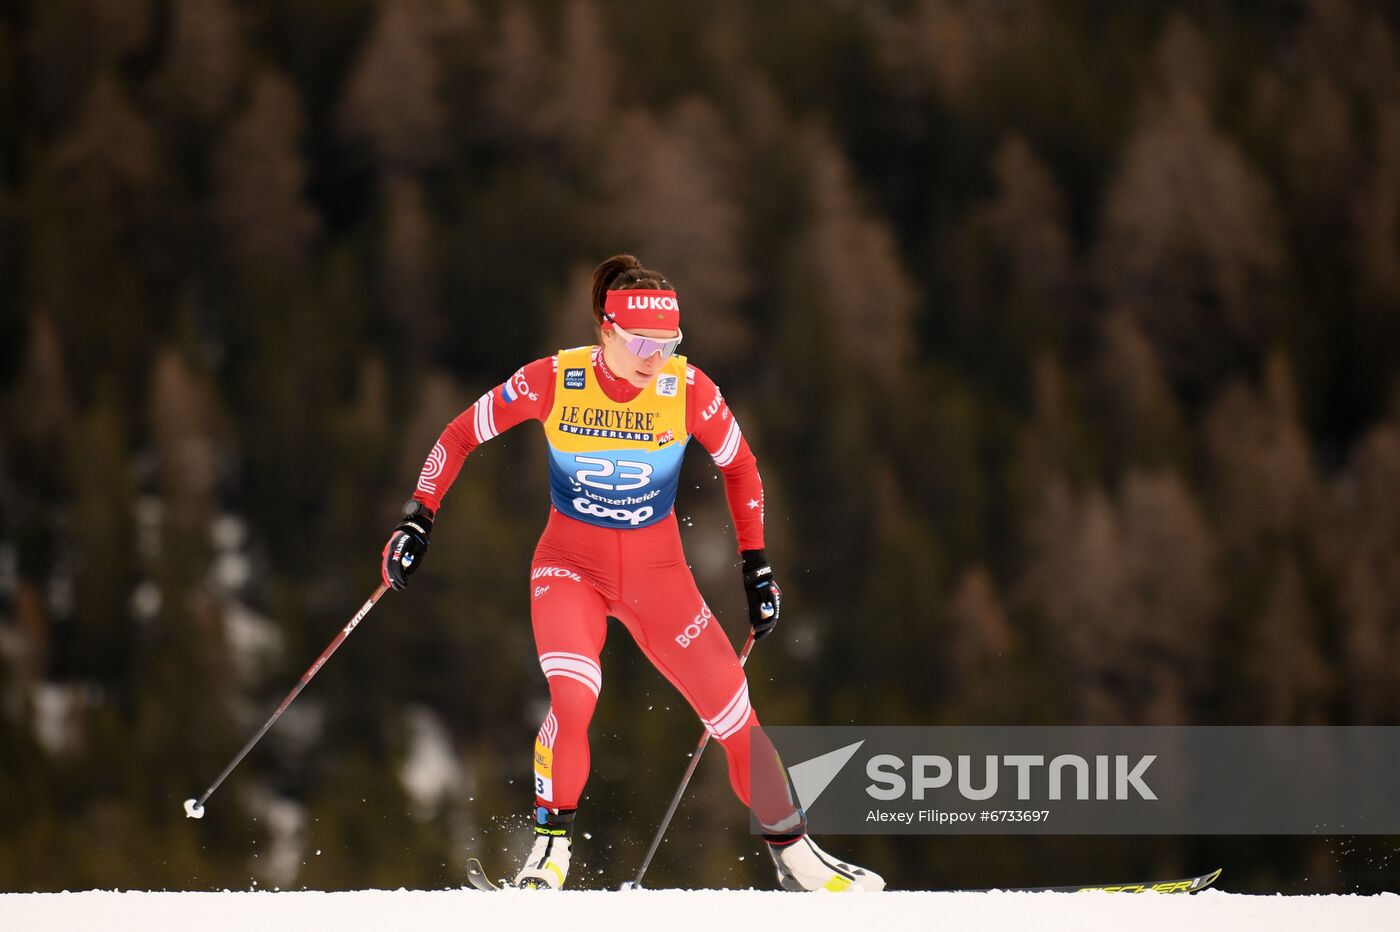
(574, 379)
(628, 515)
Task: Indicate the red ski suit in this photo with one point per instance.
(582, 573)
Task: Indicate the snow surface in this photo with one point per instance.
(678, 911)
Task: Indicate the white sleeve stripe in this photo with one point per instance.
(477, 424)
(484, 419)
(730, 448)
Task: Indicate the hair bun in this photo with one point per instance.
(623, 270)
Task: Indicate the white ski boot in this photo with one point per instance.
(547, 865)
(803, 866)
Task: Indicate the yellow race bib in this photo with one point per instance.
(615, 464)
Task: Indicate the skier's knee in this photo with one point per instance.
(574, 679)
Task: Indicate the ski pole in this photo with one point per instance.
(636, 882)
(195, 809)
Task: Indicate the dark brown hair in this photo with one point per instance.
(618, 273)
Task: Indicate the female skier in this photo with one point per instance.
(617, 417)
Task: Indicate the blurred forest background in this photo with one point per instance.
(1065, 333)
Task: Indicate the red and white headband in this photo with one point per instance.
(643, 308)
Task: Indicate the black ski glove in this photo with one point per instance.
(407, 545)
(765, 599)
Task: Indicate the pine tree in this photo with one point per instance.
(1190, 240)
(1288, 680)
(391, 101)
(205, 60)
(1363, 554)
(98, 203)
(856, 270)
(259, 204)
(1126, 591)
(980, 653)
